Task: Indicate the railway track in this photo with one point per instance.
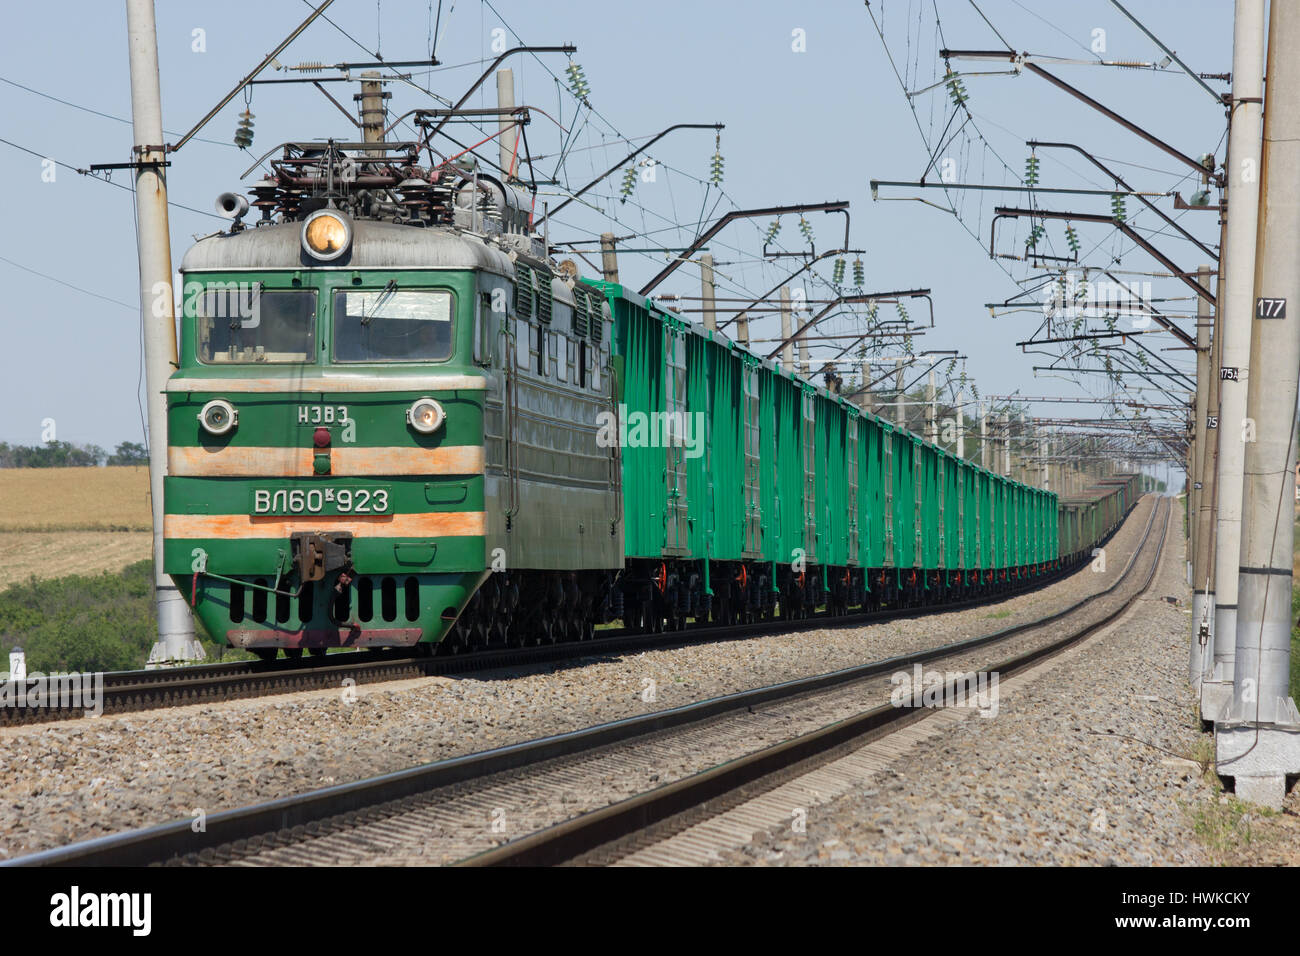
(602, 783)
(717, 819)
(132, 691)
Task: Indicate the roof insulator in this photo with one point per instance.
(244, 131)
(577, 81)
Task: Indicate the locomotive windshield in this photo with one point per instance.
(242, 323)
(389, 326)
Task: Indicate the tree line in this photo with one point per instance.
(62, 454)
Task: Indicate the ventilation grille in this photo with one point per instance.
(523, 291)
(542, 296)
(581, 313)
(384, 600)
(590, 305)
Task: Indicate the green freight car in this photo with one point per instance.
(1088, 518)
(749, 491)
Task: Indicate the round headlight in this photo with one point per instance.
(425, 416)
(326, 234)
(218, 417)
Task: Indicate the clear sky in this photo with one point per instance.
(813, 109)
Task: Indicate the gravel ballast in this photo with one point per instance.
(1087, 763)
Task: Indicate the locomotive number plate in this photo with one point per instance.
(322, 414)
(320, 501)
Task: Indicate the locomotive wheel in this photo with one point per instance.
(451, 643)
(266, 653)
(293, 653)
(322, 651)
(498, 629)
(545, 631)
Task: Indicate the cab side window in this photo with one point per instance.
(523, 349)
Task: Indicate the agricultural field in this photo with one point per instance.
(60, 521)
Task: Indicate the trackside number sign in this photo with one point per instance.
(1270, 308)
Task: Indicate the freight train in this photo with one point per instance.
(397, 421)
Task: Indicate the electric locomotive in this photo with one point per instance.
(365, 424)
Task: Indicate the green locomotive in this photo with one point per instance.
(398, 422)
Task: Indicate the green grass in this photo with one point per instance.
(101, 622)
(999, 614)
(1295, 643)
(1227, 823)
(1295, 616)
(1203, 753)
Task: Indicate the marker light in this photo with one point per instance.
(326, 234)
(218, 417)
(425, 416)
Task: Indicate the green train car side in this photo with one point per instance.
(1088, 518)
(748, 490)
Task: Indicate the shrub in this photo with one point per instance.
(102, 622)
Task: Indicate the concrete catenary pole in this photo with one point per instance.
(1258, 739)
(707, 301)
(509, 135)
(787, 350)
(373, 114)
(984, 435)
(1209, 497)
(608, 258)
(931, 410)
(1199, 406)
(1198, 516)
(1193, 494)
(1187, 488)
(176, 640)
(1022, 459)
(742, 328)
(900, 413)
(1236, 306)
(961, 424)
(1006, 444)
